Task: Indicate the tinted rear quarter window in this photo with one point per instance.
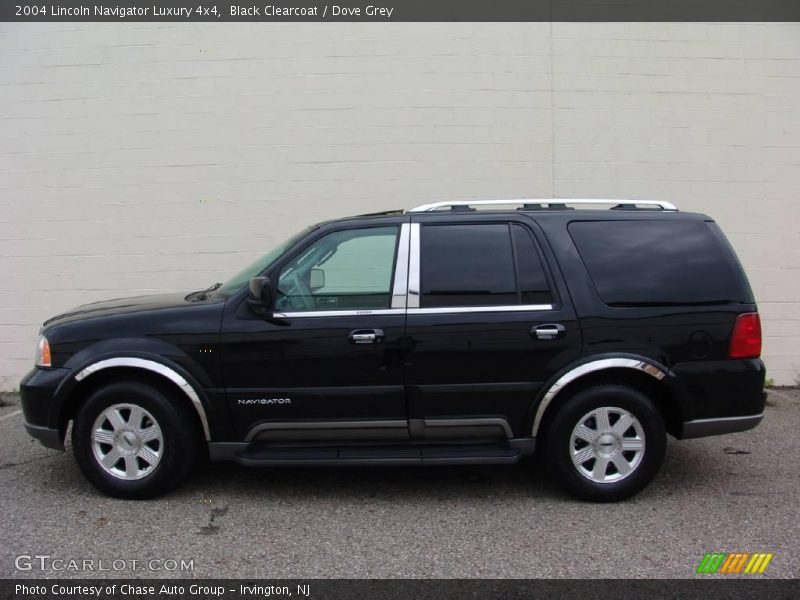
(665, 262)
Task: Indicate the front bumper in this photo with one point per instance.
(41, 407)
(50, 438)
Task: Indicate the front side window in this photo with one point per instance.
(258, 266)
(483, 264)
(344, 270)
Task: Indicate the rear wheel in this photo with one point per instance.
(132, 441)
(606, 443)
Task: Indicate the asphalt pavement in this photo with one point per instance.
(733, 493)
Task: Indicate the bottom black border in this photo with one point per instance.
(414, 589)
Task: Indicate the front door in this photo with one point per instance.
(328, 365)
(488, 322)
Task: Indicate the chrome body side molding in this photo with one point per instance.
(590, 367)
(154, 367)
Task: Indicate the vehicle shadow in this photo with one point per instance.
(687, 467)
(406, 483)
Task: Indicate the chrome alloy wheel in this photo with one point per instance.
(127, 441)
(607, 444)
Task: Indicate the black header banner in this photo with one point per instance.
(219, 11)
(732, 588)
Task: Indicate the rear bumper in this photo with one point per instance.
(705, 427)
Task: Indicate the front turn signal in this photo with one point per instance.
(43, 358)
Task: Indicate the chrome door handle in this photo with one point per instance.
(550, 331)
(366, 336)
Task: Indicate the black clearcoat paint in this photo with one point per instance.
(429, 366)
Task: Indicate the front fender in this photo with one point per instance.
(148, 355)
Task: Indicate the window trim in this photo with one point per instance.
(340, 313)
(415, 266)
(436, 310)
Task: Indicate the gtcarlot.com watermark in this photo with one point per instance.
(45, 562)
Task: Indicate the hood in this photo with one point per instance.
(121, 306)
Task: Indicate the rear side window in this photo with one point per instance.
(483, 264)
(533, 285)
(652, 263)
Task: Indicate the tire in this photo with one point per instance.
(154, 438)
(603, 463)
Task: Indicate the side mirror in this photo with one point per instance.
(260, 300)
(316, 279)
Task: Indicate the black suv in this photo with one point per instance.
(454, 333)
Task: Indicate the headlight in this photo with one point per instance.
(43, 353)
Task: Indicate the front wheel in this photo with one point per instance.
(606, 443)
(132, 441)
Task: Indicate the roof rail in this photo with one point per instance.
(548, 204)
(383, 213)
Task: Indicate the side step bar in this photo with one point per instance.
(378, 455)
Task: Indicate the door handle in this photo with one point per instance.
(366, 336)
(550, 331)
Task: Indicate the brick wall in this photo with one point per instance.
(138, 158)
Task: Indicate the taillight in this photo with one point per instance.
(746, 340)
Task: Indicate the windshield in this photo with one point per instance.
(260, 264)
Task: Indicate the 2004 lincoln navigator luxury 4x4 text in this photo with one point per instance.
(455, 333)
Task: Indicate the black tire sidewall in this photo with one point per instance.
(180, 442)
(558, 439)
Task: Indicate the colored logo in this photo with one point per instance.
(736, 562)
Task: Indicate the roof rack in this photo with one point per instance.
(547, 204)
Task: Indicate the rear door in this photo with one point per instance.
(489, 321)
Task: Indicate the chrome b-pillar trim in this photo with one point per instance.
(400, 286)
(414, 267)
(580, 371)
(155, 367)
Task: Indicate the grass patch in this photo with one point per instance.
(8, 398)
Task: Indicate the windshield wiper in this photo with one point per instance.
(202, 294)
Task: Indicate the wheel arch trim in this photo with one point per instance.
(153, 367)
(638, 364)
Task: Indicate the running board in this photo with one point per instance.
(377, 455)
